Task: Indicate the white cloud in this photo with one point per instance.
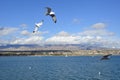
(98, 29)
(23, 26)
(3, 42)
(98, 32)
(7, 31)
(72, 39)
(25, 32)
(98, 37)
(62, 37)
(63, 33)
(19, 36)
(27, 37)
(78, 39)
(30, 40)
(99, 26)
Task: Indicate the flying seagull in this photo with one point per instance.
(106, 57)
(37, 25)
(51, 13)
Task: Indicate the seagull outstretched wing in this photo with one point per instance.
(54, 18)
(37, 25)
(48, 10)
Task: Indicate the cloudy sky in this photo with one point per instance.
(78, 21)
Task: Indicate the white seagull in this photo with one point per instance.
(51, 13)
(37, 25)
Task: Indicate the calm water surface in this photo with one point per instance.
(59, 68)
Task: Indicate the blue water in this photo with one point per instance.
(59, 68)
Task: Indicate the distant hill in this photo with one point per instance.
(53, 47)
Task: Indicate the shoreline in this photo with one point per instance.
(60, 53)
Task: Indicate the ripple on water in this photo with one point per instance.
(59, 68)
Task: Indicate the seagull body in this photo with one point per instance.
(51, 13)
(37, 25)
(106, 57)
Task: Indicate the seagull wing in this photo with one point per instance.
(48, 10)
(37, 26)
(54, 18)
(52, 14)
(36, 29)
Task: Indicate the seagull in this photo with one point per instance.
(106, 57)
(51, 13)
(37, 25)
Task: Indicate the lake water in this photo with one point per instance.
(59, 68)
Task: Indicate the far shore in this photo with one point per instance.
(60, 53)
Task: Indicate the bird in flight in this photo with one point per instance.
(51, 13)
(37, 25)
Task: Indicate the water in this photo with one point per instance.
(59, 68)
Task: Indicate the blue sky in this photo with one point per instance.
(77, 21)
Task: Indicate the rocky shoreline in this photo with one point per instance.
(59, 52)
